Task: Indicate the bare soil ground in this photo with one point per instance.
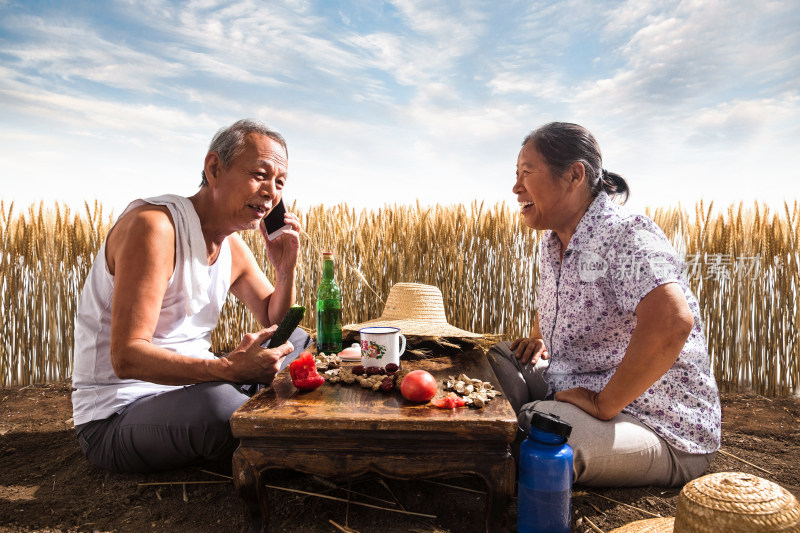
(47, 485)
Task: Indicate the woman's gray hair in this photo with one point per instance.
(561, 144)
(229, 142)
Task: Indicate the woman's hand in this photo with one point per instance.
(584, 399)
(282, 252)
(529, 350)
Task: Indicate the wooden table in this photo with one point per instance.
(346, 430)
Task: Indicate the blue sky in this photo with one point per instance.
(399, 101)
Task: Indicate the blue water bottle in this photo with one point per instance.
(544, 503)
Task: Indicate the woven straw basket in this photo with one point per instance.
(729, 502)
(736, 502)
(416, 309)
(652, 525)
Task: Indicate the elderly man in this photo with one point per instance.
(149, 395)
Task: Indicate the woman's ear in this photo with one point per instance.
(576, 174)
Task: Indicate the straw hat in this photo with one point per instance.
(417, 310)
(728, 501)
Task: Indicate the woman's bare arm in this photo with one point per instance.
(664, 323)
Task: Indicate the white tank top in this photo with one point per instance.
(99, 393)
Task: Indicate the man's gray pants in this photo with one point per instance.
(174, 428)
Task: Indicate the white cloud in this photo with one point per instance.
(460, 21)
(730, 152)
(733, 124)
(428, 99)
(542, 53)
(541, 34)
(72, 51)
(632, 14)
(698, 51)
(549, 88)
(428, 48)
(252, 38)
(209, 64)
(128, 120)
(690, 62)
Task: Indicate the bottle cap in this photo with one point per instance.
(551, 424)
(327, 255)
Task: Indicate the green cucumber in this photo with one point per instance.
(290, 321)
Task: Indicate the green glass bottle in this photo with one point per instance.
(329, 310)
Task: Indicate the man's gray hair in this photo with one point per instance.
(229, 142)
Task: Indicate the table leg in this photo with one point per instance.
(500, 478)
(248, 482)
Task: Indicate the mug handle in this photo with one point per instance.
(402, 345)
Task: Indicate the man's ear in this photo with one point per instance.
(212, 167)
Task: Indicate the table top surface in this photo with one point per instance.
(337, 408)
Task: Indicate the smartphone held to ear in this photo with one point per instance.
(274, 223)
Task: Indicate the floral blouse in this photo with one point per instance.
(587, 315)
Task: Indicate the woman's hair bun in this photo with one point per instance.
(614, 184)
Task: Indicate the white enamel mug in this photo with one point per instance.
(381, 345)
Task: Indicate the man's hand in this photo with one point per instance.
(282, 252)
(250, 363)
(585, 399)
(250, 285)
(529, 350)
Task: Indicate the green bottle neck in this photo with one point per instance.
(327, 270)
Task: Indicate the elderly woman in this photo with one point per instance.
(617, 348)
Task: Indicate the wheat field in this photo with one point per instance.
(742, 264)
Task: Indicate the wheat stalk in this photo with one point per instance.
(482, 258)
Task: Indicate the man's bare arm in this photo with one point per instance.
(268, 303)
(141, 253)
